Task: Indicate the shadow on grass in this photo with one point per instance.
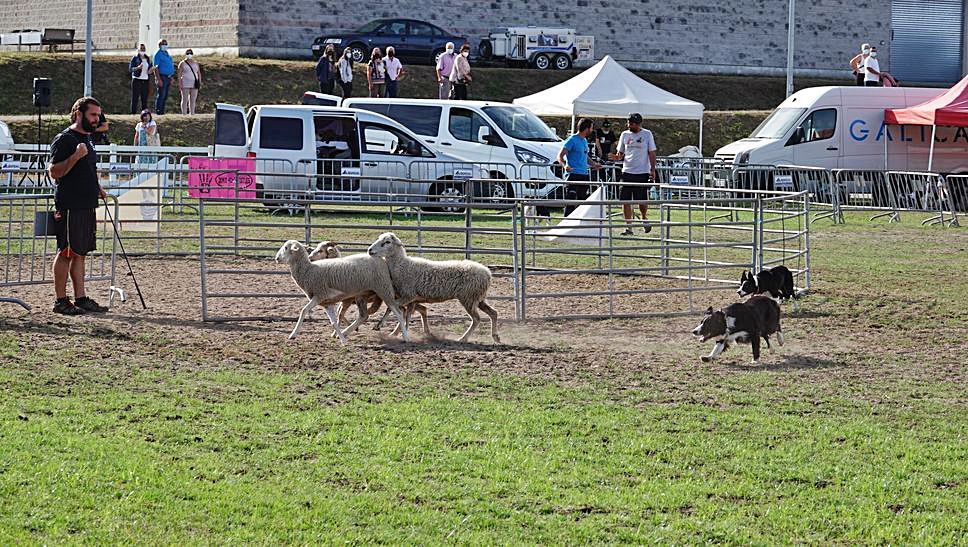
(789, 363)
(87, 325)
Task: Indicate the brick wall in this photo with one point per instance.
(115, 22)
(683, 36)
(200, 24)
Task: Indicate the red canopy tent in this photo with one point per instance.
(948, 109)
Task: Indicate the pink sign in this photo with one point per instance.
(215, 178)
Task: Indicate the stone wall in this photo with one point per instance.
(740, 36)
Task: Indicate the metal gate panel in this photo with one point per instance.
(926, 45)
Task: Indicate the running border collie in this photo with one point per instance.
(744, 322)
(777, 282)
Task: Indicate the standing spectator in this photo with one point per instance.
(445, 64)
(636, 151)
(605, 138)
(100, 134)
(872, 70)
(146, 134)
(573, 157)
(460, 76)
(73, 165)
(140, 68)
(346, 73)
(324, 70)
(164, 75)
(395, 71)
(189, 82)
(857, 64)
(376, 72)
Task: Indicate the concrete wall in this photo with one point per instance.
(741, 36)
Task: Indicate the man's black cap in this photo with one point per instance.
(635, 117)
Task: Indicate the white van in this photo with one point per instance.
(843, 127)
(514, 142)
(353, 144)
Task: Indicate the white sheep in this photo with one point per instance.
(329, 282)
(330, 249)
(421, 280)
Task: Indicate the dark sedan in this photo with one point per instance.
(414, 41)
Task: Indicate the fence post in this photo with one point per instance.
(201, 258)
(468, 222)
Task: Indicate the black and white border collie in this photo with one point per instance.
(777, 282)
(744, 322)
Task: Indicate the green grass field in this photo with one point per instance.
(138, 427)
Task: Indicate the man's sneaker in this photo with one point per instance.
(64, 306)
(627, 232)
(89, 305)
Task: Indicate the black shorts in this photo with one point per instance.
(635, 193)
(76, 231)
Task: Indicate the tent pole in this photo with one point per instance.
(931, 149)
(886, 129)
(572, 121)
(700, 136)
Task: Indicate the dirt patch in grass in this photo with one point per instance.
(827, 352)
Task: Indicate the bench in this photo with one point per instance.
(50, 37)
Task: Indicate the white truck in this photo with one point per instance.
(540, 47)
(843, 128)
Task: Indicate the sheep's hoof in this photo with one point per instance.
(706, 359)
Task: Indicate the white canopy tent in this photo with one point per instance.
(609, 90)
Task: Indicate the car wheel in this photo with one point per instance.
(448, 194)
(436, 56)
(485, 50)
(499, 192)
(562, 62)
(358, 51)
(542, 62)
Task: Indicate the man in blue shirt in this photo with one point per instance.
(573, 158)
(164, 74)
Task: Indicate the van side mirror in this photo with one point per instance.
(483, 133)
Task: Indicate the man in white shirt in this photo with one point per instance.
(445, 64)
(872, 70)
(395, 71)
(636, 151)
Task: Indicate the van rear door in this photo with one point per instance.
(231, 133)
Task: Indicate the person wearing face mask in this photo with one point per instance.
(164, 74)
(140, 68)
(146, 134)
(872, 70)
(189, 82)
(324, 70)
(857, 63)
(73, 166)
(376, 72)
(445, 64)
(395, 71)
(345, 68)
(460, 76)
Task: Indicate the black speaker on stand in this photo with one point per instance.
(43, 88)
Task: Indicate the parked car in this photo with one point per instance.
(414, 41)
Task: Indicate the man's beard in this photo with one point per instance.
(88, 126)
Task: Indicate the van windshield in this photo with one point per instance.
(520, 123)
(777, 124)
